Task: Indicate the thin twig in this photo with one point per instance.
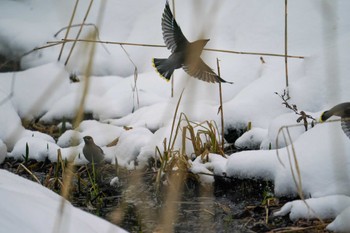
(253, 53)
(286, 45)
(298, 182)
(163, 46)
(85, 24)
(69, 27)
(134, 89)
(302, 115)
(221, 109)
(171, 146)
(79, 32)
(30, 173)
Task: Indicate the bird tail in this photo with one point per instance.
(163, 67)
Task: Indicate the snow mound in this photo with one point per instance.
(17, 192)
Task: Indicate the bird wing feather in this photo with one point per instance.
(345, 125)
(202, 71)
(173, 37)
(100, 149)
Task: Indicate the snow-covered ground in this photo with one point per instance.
(317, 30)
(29, 207)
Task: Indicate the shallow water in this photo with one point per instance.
(222, 208)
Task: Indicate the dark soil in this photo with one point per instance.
(8, 65)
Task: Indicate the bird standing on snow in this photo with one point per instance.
(92, 152)
(343, 111)
(184, 54)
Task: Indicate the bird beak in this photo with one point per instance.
(321, 117)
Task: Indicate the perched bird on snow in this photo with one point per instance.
(184, 54)
(343, 111)
(92, 152)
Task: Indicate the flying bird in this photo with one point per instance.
(184, 54)
(92, 152)
(343, 111)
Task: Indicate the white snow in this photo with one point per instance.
(322, 207)
(341, 222)
(251, 139)
(3, 151)
(334, 206)
(275, 137)
(213, 164)
(317, 30)
(30, 207)
(38, 148)
(125, 154)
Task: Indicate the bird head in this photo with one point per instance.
(324, 116)
(88, 140)
(202, 43)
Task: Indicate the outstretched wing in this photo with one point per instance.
(202, 71)
(345, 125)
(173, 37)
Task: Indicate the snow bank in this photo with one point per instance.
(17, 193)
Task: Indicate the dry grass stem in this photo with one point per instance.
(134, 88)
(30, 173)
(297, 179)
(286, 45)
(68, 28)
(169, 212)
(79, 32)
(85, 24)
(163, 46)
(221, 108)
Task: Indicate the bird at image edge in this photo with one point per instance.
(341, 110)
(184, 54)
